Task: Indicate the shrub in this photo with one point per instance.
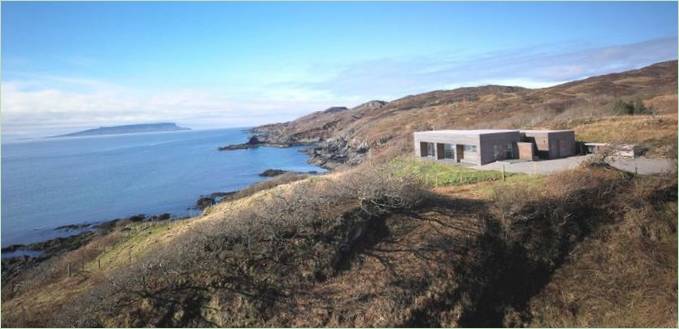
(248, 261)
(635, 107)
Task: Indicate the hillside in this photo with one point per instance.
(127, 129)
(378, 129)
(379, 246)
(399, 242)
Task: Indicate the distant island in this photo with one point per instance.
(128, 129)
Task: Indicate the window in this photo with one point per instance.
(448, 151)
(470, 148)
(510, 151)
(501, 152)
(426, 149)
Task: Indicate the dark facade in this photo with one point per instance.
(551, 144)
(488, 145)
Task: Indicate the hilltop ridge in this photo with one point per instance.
(379, 128)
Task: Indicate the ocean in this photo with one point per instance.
(53, 182)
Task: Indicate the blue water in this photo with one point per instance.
(54, 182)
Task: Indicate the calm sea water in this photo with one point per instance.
(54, 182)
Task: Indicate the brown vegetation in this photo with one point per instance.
(372, 247)
(385, 129)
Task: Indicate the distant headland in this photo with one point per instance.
(127, 129)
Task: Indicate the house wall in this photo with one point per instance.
(526, 151)
(504, 139)
(442, 138)
(541, 140)
(552, 144)
(561, 144)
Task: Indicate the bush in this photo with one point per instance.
(249, 260)
(635, 107)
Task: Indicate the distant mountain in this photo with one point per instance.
(128, 129)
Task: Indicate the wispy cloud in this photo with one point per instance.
(45, 104)
(537, 67)
(48, 105)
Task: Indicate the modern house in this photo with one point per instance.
(488, 145)
(468, 146)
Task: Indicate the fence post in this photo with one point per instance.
(99, 263)
(68, 269)
(503, 172)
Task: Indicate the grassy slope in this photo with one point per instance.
(34, 298)
(434, 263)
(585, 105)
(431, 265)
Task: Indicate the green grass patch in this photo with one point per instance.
(441, 174)
(516, 182)
(135, 242)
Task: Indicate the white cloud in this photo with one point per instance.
(46, 104)
(51, 105)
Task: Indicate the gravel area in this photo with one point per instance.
(643, 166)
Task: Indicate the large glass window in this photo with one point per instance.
(448, 151)
(510, 151)
(501, 152)
(497, 152)
(429, 149)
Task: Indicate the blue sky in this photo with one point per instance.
(209, 65)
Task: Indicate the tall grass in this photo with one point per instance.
(437, 174)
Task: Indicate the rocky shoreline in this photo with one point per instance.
(31, 254)
(329, 153)
(213, 198)
(278, 172)
(39, 251)
(254, 142)
(56, 245)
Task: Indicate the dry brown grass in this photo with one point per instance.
(367, 247)
(584, 105)
(625, 274)
(656, 133)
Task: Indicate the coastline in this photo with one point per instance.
(329, 154)
(21, 256)
(170, 172)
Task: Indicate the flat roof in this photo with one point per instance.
(547, 131)
(469, 131)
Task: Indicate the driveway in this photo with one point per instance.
(643, 166)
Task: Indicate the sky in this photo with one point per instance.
(231, 64)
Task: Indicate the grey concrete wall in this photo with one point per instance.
(541, 140)
(553, 144)
(561, 144)
(503, 140)
(454, 139)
